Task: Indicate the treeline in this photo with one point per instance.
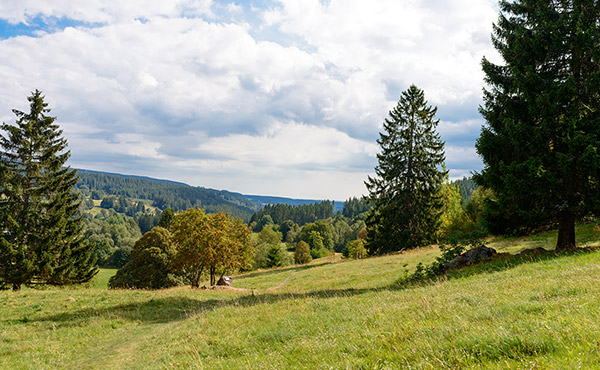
(301, 214)
(164, 194)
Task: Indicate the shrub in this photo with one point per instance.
(355, 249)
(302, 253)
(150, 266)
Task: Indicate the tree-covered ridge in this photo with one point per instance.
(165, 194)
(300, 214)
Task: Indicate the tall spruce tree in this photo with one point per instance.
(541, 144)
(40, 240)
(405, 191)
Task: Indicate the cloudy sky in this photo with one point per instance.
(279, 97)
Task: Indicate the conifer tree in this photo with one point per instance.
(40, 235)
(541, 144)
(405, 191)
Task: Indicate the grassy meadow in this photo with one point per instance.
(523, 313)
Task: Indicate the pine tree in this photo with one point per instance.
(41, 240)
(541, 144)
(405, 191)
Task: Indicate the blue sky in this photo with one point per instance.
(281, 97)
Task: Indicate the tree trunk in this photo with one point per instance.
(566, 233)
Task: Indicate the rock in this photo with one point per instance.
(225, 281)
(469, 257)
(528, 252)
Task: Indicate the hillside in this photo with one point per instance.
(180, 196)
(532, 312)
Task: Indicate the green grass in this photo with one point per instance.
(528, 313)
(101, 279)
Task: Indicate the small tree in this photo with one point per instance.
(151, 264)
(302, 253)
(355, 249)
(40, 233)
(405, 191)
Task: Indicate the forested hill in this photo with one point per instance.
(263, 200)
(165, 194)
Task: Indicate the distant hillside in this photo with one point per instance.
(180, 196)
(263, 200)
(165, 194)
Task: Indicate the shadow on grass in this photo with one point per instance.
(277, 271)
(172, 309)
(502, 262)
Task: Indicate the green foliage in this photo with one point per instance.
(323, 230)
(299, 214)
(541, 144)
(166, 218)
(405, 190)
(113, 238)
(466, 187)
(355, 249)
(278, 256)
(453, 217)
(317, 247)
(355, 206)
(151, 264)
(40, 233)
(269, 250)
(302, 253)
(217, 244)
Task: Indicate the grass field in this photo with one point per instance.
(528, 313)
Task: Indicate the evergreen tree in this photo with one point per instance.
(541, 144)
(405, 191)
(40, 235)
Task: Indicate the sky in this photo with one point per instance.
(281, 97)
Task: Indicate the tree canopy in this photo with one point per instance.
(405, 189)
(541, 142)
(215, 243)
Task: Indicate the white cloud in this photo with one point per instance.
(204, 93)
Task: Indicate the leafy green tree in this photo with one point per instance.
(355, 249)
(302, 253)
(541, 144)
(269, 249)
(317, 248)
(323, 229)
(151, 263)
(453, 216)
(405, 191)
(215, 243)
(166, 218)
(40, 233)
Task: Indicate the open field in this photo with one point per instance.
(528, 313)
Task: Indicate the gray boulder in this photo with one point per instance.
(470, 257)
(225, 281)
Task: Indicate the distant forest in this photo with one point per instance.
(165, 194)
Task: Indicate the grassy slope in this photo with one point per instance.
(532, 313)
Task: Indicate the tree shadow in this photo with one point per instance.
(277, 271)
(171, 309)
(502, 262)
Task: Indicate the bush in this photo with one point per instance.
(150, 266)
(355, 249)
(302, 253)
(278, 256)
